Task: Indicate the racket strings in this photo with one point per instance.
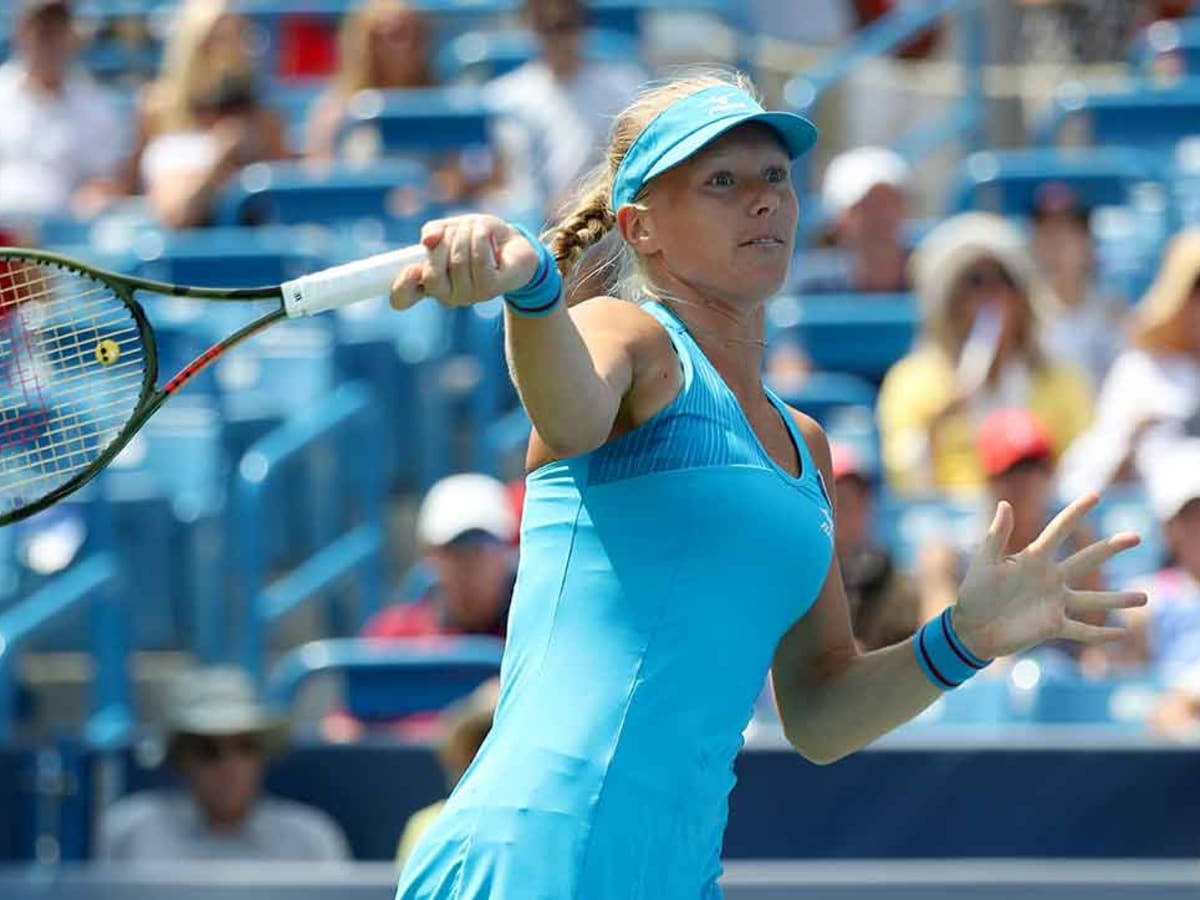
(72, 368)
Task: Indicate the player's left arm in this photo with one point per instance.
(833, 699)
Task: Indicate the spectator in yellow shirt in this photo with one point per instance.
(979, 350)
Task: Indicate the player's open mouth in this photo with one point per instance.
(762, 242)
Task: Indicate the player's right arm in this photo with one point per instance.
(583, 375)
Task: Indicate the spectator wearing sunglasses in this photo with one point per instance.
(980, 349)
(219, 738)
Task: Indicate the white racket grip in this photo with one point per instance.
(346, 284)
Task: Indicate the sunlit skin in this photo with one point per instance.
(872, 230)
(47, 46)
(557, 26)
(853, 523)
(717, 232)
(1183, 537)
(1190, 320)
(398, 43)
(1062, 245)
(225, 787)
(473, 581)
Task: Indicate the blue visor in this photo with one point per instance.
(689, 124)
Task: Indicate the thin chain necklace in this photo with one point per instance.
(721, 338)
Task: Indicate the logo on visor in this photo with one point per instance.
(727, 103)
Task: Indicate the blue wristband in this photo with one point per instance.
(942, 656)
(541, 295)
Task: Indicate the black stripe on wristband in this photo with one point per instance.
(535, 310)
(929, 662)
(963, 654)
(539, 277)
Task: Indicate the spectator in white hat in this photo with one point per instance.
(219, 738)
(1165, 635)
(864, 194)
(466, 527)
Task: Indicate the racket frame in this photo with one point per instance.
(150, 397)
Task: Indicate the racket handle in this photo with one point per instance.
(346, 284)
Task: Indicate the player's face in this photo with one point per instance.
(724, 222)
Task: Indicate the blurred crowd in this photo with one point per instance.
(1031, 380)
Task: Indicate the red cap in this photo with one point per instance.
(845, 461)
(1010, 436)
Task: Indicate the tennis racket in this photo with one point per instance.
(79, 366)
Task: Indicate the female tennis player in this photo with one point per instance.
(677, 536)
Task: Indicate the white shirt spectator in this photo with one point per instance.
(164, 826)
(51, 145)
(1141, 387)
(1088, 337)
(567, 121)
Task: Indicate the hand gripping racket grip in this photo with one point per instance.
(346, 284)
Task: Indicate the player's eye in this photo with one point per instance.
(776, 174)
(721, 179)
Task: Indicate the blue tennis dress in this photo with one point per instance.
(657, 575)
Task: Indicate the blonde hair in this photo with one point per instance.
(354, 58)
(186, 71)
(1157, 318)
(585, 242)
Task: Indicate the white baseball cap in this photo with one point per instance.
(851, 175)
(462, 503)
(1173, 480)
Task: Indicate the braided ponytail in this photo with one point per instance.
(591, 256)
(584, 227)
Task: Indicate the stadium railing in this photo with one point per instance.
(963, 122)
(88, 585)
(350, 491)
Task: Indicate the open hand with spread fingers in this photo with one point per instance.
(471, 258)
(1011, 603)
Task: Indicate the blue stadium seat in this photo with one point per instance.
(482, 55)
(821, 394)
(1006, 182)
(419, 120)
(907, 524)
(1167, 51)
(982, 701)
(1125, 508)
(1154, 120)
(1118, 703)
(389, 679)
(229, 257)
(297, 194)
(860, 334)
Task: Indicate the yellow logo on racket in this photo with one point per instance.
(107, 352)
